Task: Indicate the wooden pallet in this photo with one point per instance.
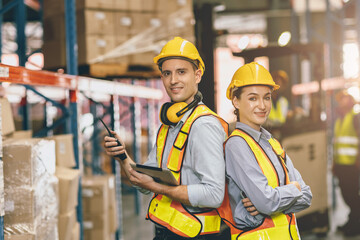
(122, 70)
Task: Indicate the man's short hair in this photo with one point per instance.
(195, 63)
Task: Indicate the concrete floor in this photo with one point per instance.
(137, 228)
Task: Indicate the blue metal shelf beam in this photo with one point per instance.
(20, 32)
(115, 124)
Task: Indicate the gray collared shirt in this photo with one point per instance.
(245, 175)
(203, 169)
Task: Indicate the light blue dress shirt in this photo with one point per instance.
(203, 169)
(245, 175)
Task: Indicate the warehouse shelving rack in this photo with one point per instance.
(74, 85)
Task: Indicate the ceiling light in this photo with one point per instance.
(243, 42)
(284, 38)
(219, 8)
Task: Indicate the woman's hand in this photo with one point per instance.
(296, 184)
(250, 207)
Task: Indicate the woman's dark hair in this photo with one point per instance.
(237, 94)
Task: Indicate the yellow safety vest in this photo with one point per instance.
(346, 140)
(276, 114)
(278, 226)
(172, 214)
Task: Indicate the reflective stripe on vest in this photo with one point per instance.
(278, 225)
(346, 141)
(172, 214)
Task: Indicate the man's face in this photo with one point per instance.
(180, 80)
(345, 104)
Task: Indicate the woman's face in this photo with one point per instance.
(254, 105)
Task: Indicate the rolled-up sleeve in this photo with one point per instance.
(206, 156)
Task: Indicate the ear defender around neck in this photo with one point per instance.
(172, 112)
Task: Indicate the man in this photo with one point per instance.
(190, 145)
(347, 159)
(280, 105)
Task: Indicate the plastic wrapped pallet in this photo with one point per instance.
(31, 189)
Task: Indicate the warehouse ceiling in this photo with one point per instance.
(231, 16)
(243, 16)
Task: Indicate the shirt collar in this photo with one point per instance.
(254, 133)
(186, 115)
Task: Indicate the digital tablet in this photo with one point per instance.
(159, 174)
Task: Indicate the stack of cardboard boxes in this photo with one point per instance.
(31, 189)
(102, 25)
(41, 188)
(69, 228)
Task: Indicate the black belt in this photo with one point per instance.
(165, 234)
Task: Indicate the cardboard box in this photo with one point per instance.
(95, 195)
(107, 69)
(48, 230)
(171, 6)
(66, 224)
(30, 188)
(112, 203)
(308, 152)
(64, 150)
(2, 189)
(121, 5)
(68, 188)
(21, 237)
(26, 161)
(52, 7)
(145, 59)
(75, 234)
(28, 209)
(95, 37)
(135, 5)
(96, 226)
(21, 210)
(7, 119)
(148, 5)
(122, 24)
(22, 134)
(100, 30)
(95, 22)
(140, 22)
(95, 46)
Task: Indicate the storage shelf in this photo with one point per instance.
(21, 75)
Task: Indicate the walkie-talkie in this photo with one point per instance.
(122, 156)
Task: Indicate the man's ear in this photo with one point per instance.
(198, 75)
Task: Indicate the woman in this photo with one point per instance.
(265, 190)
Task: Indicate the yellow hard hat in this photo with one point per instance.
(280, 74)
(179, 47)
(250, 74)
(343, 93)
